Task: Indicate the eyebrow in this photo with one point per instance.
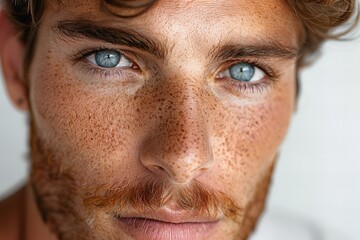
(120, 36)
(270, 49)
(80, 28)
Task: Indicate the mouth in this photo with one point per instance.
(167, 224)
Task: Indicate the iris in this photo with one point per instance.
(243, 72)
(107, 58)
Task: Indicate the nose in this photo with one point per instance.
(178, 146)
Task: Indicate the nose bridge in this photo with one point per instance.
(179, 146)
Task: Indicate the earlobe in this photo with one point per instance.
(11, 54)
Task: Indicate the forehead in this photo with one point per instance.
(200, 20)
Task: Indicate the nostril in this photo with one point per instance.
(182, 171)
(181, 179)
(203, 169)
(156, 169)
(175, 176)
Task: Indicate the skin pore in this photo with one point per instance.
(170, 135)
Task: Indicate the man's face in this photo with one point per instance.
(161, 126)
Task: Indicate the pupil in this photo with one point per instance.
(242, 71)
(107, 58)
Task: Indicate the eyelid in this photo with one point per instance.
(115, 74)
(80, 55)
(226, 73)
(128, 63)
(259, 63)
(237, 87)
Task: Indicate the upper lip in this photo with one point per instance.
(169, 215)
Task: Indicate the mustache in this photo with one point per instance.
(150, 194)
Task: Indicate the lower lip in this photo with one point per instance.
(141, 228)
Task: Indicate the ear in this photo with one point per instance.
(11, 55)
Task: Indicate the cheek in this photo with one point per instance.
(247, 137)
(84, 124)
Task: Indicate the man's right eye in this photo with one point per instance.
(109, 59)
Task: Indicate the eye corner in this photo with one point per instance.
(120, 68)
(261, 79)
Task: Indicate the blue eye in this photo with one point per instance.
(243, 72)
(107, 58)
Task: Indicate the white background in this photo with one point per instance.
(318, 175)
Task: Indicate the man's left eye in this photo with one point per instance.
(109, 59)
(243, 72)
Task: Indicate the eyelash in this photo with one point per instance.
(103, 73)
(270, 79)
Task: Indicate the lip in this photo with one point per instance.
(167, 224)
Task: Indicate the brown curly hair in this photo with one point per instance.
(320, 19)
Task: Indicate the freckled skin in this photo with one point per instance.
(178, 124)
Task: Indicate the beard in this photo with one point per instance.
(74, 209)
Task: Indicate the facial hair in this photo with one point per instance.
(67, 205)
